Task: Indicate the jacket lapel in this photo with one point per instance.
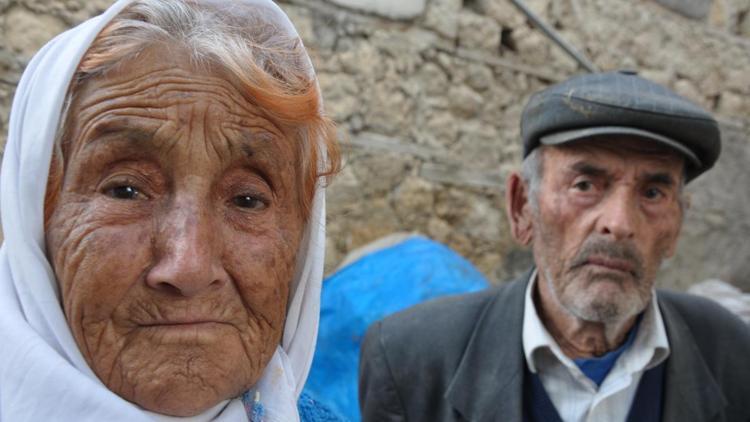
(488, 383)
(690, 390)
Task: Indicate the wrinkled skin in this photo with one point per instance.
(606, 219)
(175, 237)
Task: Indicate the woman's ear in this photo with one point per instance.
(518, 209)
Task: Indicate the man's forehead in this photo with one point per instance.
(627, 150)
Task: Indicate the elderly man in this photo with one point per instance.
(583, 336)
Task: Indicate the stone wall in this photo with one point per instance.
(428, 95)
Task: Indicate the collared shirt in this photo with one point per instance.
(576, 397)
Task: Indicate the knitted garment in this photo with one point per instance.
(310, 410)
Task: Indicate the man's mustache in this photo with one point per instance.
(610, 250)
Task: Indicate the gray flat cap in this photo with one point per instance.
(621, 103)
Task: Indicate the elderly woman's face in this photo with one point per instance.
(175, 236)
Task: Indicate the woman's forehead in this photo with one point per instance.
(161, 99)
(160, 85)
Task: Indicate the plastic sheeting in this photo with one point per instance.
(368, 289)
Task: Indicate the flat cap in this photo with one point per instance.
(621, 103)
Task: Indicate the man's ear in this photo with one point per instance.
(518, 208)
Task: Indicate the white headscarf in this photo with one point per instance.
(43, 375)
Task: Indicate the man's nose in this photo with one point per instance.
(187, 253)
(619, 215)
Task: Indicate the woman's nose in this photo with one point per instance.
(187, 253)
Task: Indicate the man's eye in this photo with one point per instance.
(583, 185)
(124, 192)
(249, 202)
(653, 193)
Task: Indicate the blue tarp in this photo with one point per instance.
(376, 285)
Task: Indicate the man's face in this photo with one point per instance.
(608, 214)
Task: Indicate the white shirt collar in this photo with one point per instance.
(650, 347)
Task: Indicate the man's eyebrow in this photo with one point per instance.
(665, 179)
(588, 169)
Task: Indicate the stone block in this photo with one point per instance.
(464, 101)
(442, 17)
(732, 104)
(26, 32)
(478, 32)
(413, 201)
(503, 11)
(695, 9)
(739, 79)
(687, 89)
(393, 9)
(532, 47)
(340, 92)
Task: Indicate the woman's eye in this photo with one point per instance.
(249, 202)
(124, 192)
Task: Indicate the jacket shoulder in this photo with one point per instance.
(712, 325)
(723, 341)
(408, 359)
(437, 326)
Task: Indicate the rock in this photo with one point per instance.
(688, 90)
(743, 26)
(478, 32)
(26, 32)
(478, 144)
(361, 59)
(479, 77)
(380, 218)
(503, 11)
(380, 172)
(739, 79)
(465, 102)
(413, 201)
(733, 104)
(442, 17)
(390, 110)
(720, 13)
(726, 295)
(695, 9)
(340, 92)
(432, 79)
(303, 22)
(440, 129)
(531, 46)
(393, 9)
(660, 76)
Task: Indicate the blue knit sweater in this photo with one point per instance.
(310, 410)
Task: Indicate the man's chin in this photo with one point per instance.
(607, 307)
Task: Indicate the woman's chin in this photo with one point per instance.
(182, 379)
(182, 398)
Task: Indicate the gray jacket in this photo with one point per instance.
(461, 359)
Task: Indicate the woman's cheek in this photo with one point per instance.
(96, 264)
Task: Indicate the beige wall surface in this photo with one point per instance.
(428, 96)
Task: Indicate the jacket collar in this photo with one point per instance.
(690, 390)
(487, 383)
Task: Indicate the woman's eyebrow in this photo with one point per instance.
(252, 142)
(125, 131)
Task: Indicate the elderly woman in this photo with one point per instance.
(163, 213)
